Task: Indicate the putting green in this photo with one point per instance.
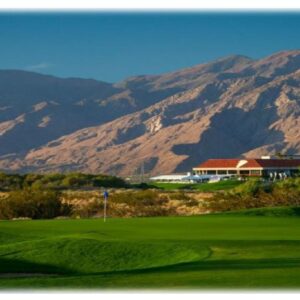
(208, 252)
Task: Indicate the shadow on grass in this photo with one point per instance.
(17, 266)
(296, 211)
(222, 265)
(11, 267)
(267, 212)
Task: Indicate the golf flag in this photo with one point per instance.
(105, 195)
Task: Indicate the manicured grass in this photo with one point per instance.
(202, 187)
(206, 252)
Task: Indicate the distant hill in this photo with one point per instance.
(230, 107)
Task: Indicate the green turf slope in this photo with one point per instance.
(206, 252)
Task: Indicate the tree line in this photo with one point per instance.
(38, 196)
(11, 182)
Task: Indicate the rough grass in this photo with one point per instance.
(213, 251)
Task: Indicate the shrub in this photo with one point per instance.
(88, 210)
(250, 187)
(33, 203)
(10, 181)
(139, 198)
(255, 194)
(31, 179)
(179, 196)
(108, 181)
(58, 181)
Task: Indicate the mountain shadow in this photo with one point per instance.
(231, 133)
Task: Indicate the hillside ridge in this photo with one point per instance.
(231, 107)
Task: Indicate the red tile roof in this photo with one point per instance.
(250, 163)
(278, 163)
(219, 163)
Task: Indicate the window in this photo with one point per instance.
(211, 172)
(232, 171)
(222, 172)
(244, 172)
(255, 172)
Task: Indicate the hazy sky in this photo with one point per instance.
(111, 46)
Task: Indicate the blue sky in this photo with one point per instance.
(113, 46)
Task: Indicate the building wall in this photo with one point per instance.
(254, 172)
(244, 172)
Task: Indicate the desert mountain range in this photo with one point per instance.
(232, 107)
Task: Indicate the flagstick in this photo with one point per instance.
(104, 216)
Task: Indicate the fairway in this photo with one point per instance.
(205, 252)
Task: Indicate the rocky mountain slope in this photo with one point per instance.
(231, 107)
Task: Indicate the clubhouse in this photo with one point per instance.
(265, 166)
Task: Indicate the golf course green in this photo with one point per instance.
(229, 251)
